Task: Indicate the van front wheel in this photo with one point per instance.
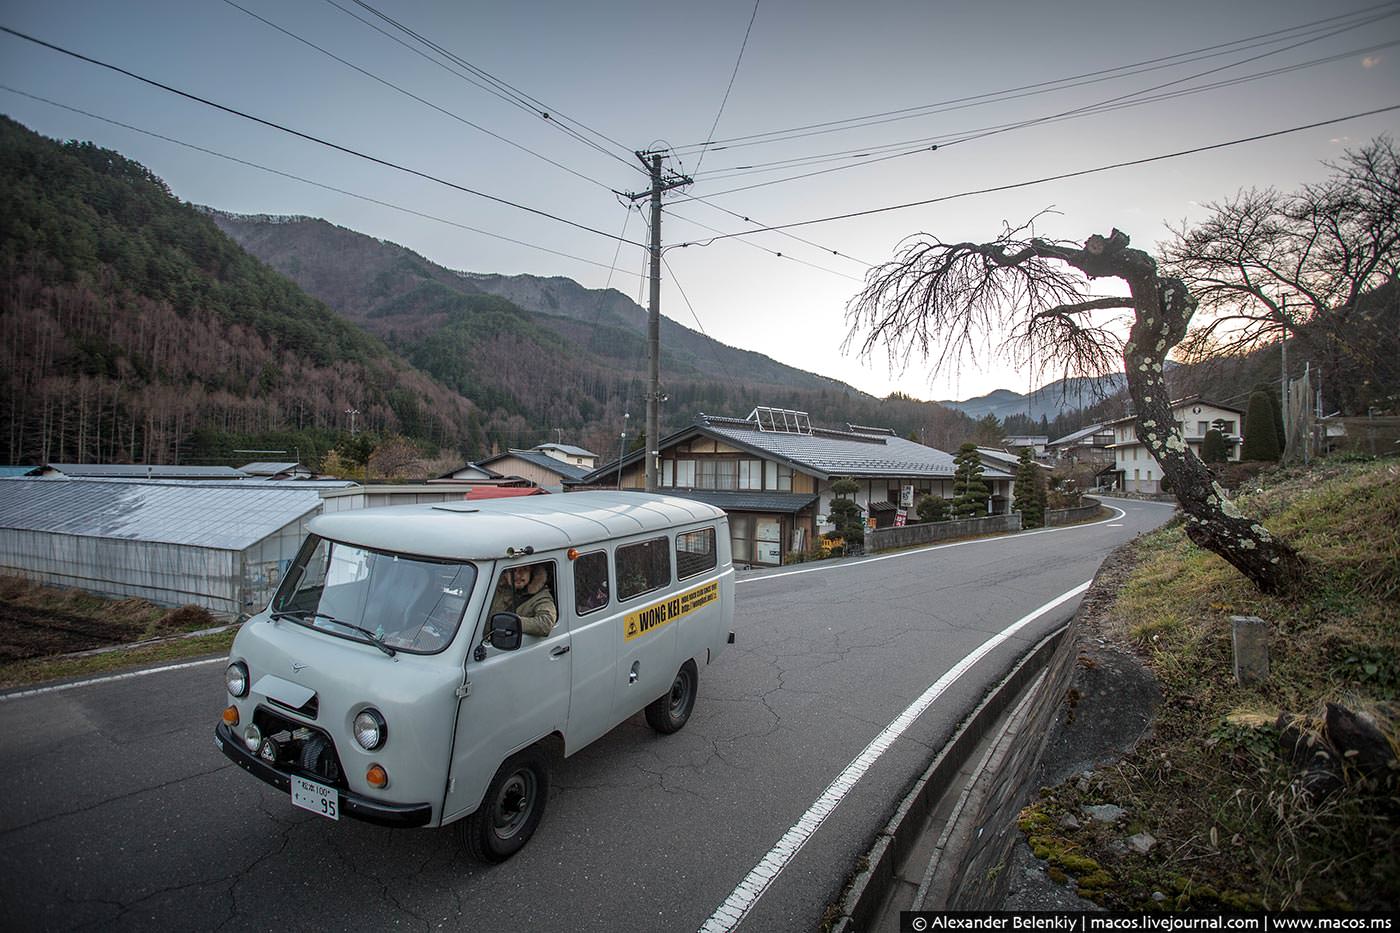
(669, 712)
(510, 811)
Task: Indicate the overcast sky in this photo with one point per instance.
(635, 75)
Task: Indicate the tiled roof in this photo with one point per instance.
(822, 453)
(567, 449)
(1079, 435)
(567, 470)
(785, 502)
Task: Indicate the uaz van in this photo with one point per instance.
(420, 665)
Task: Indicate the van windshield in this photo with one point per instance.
(393, 601)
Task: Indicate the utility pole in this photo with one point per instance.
(651, 161)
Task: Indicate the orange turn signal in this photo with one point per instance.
(231, 715)
(573, 553)
(377, 776)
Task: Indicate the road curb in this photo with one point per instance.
(874, 878)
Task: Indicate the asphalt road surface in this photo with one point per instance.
(119, 812)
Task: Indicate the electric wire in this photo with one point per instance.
(1119, 103)
(758, 246)
(743, 45)
(407, 93)
(309, 137)
(1104, 74)
(1048, 178)
(515, 95)
(944, 138)
(314, 183)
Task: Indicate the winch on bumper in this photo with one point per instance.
(359, 806)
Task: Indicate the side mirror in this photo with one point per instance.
(505, 631)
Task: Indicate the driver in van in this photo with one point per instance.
(525, 592)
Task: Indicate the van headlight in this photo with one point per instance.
(236, 679)
(370, 729)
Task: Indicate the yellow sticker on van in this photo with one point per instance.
(650, 618)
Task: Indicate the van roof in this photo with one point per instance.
(483, 530)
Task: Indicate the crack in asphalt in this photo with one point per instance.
(105, 801)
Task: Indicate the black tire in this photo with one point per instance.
(510, 811)
(670, 711)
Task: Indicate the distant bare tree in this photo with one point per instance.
(1267, 264)
(935, 299)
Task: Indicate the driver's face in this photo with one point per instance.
(520, 577)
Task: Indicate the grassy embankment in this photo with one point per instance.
(47, 633)
(1211, 783)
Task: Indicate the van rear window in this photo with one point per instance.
(695, 552)
(643, 567)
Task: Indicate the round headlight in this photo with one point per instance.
(236, 679)
(370, 731)
(252, 737)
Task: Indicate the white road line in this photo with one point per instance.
(936, 547)
(743, 898)
(37, 691)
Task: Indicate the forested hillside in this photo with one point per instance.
(536, 354)
(131, 326)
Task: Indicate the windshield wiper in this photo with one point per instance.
(303, 614)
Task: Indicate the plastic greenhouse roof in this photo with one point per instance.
(228, 517)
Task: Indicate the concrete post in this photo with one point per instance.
(1249, 636)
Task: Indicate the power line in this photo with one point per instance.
(310, 138)
(1105, 74)
(1107, 106)
(515, 95)
(308, 181)
(421, 100)
(960, 136)
(1060, 177)
(743, 45)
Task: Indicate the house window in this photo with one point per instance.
(1202, 427)
(717, 474)
(643, 567)
(668, 472)
(777, 476)
(695, 552)
(750, 474)
(685, 474)
(1226, 427)
(741, 537)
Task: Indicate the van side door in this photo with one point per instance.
(647, 661)
(595, 628)
(513, 698)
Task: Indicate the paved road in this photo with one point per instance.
(119, 813)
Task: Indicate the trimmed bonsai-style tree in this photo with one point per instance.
(969, 489)
(846, 514)
(1030, 492)
(1260, 441)
(932, 508)
(1213, 448)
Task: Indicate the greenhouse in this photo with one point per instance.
(222, 546)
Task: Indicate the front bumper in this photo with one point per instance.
(399, 815)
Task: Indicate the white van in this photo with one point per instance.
(408, 672)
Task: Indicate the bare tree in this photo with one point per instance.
(1267, 264)
(937, 300)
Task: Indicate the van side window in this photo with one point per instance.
(695, 552)
(643, 567)
(591, 582)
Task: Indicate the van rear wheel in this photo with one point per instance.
(669, 712)
(511, 810)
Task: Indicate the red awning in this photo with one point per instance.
(504, 492)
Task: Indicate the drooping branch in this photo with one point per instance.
(957, 293)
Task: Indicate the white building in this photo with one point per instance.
(1136, 470)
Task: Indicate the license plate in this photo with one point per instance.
(318, 798)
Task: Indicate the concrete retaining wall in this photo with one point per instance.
(885, 539)
(1055, 517)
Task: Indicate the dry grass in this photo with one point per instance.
(1233, 828)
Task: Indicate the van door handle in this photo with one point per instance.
(560, 651)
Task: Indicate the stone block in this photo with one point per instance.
(1249, 636)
